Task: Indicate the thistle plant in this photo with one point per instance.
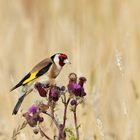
(70, 96)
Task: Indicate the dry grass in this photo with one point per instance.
(102, 41)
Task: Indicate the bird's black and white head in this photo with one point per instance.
(60, 59)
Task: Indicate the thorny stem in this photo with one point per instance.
(41, 131)
(75, 122)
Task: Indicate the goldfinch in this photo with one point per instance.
(44, 72)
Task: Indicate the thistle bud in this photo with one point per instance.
(73, 102)
(63, 88)
(41, 119)
(72, 77)
(36, 131)
(82, 80)
(41, 90)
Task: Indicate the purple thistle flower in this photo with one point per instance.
(33, 116)
(76, 89)
(33, 109)
(71, 86)
(30, 119)
(54, 93)
(41, 89)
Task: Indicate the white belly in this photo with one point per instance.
(44, 79)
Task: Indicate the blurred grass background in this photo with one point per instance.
(101, 38)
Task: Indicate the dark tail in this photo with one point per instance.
(18, 104)
(16, 86)
(21, 82)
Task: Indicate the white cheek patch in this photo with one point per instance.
(56, 59)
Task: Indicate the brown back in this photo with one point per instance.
(41, 64)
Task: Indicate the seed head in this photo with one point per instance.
(72, 77)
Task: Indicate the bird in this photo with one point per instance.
(45, 72)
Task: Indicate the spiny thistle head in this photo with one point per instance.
(76, 88)
(33, 109)
(32, 116)
(54, 93)
(41, 89)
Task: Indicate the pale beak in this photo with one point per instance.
(66, 61)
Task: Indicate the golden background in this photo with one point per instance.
(102, 40)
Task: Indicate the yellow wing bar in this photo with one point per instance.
(32, 77)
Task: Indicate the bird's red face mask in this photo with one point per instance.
(63, 59)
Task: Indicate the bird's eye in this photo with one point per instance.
(61, 59)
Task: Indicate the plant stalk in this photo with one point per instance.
(75, 122)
